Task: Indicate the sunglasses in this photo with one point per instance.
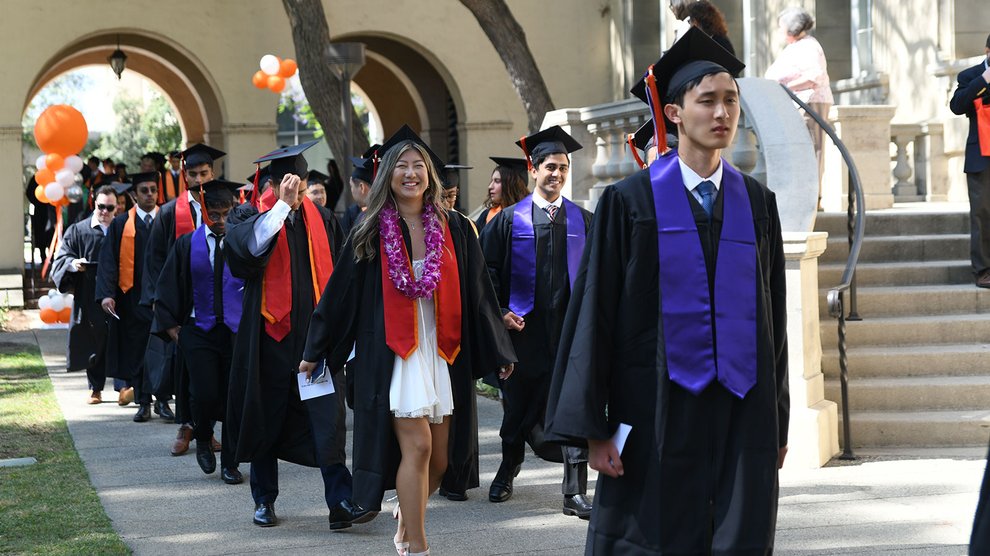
(107, 208)
(146, 190)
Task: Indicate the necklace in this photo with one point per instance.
(412, 225)
(399, 271)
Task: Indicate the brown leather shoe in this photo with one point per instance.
(983, 279)
(125, 396)
(95, 398)
(215, 443)
(182, 439)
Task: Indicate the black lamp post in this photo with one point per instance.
(117, 60)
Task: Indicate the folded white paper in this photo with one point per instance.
(309, 390)
(620, 436)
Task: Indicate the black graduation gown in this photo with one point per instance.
(350, 218)
(689, 461)
(128, 336)
(88, 327)
(42, 221)
(352, 309)
(263, 414)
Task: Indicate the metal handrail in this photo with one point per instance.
(854, 227)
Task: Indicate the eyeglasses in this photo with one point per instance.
(107, 208)
(449, 196)
(146, 190)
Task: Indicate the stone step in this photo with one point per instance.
(913, 393)
(899, 273)
(900, 248)
(911, 330)
(931, 299)
(892, 223)
(918, 428)
(910, 361)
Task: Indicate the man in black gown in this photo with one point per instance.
(179, 216)
(118, 287)
(692, 355)
(74, 270)
(199, 307)
(360, 184)
(284, 255)
(533, 250)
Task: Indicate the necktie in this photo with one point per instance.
(551, 211)
(217, 279)
(147, 219)
(707, 191)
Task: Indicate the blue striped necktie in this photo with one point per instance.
(707, 191)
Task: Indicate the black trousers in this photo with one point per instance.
(142, 383)
(979, 219)
(525, 408)
(206, 356)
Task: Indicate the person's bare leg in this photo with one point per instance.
(438, 457)
(413, 478)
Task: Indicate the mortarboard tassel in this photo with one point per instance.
(631, 141)
(656, 108)
(529, 161)
(255, 196)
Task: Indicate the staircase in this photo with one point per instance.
(919, 361)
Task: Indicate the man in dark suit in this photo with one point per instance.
(972, 85)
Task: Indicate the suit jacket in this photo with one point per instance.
(970, 86)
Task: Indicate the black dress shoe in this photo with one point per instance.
(501, 489)
(264, 515)
(143, 413)
(231, 476)
(577, 505)
(164, 411)
(453, 495)
(205, 457)
(346, 513)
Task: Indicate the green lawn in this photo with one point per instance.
(49, 507)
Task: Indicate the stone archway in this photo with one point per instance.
(176, 71)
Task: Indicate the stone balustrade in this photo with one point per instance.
(920, 165)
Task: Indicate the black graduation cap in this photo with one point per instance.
(450, 176)
(120, 187)
(371, 151)
(263, 176)
(552, 140)
(643, 137)
(518, 165)
(201, 154)
(144, 177)
(158, 157)
(406, 133)
(287, 160)
(316, 176)
(361, 168)
(220, 190)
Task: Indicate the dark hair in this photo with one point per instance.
(514, 187)
(708, 18)
(93, 159)
(174, 154)
(538, 161)
(334, 184)
(108, 160)
(218, 199)
(988, 41)
(679, 97)
(105, 190)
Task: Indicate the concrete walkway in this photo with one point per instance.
(885, 503)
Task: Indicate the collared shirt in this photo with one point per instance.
(198, 213)
(211, 244)
(141, 214)
(542, 203)
(94, 222)
(267, 227)
(691, 179)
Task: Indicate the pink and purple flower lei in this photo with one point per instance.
(399, 267)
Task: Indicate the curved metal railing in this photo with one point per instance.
(854, 227)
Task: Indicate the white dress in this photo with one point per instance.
(420, 384)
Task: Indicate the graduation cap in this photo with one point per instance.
(120, 187)
(406, 133)
(220, 190)
(157, 157)
(263, 175)
(450, 176)
(144, 177)
(518, 165)
(361, 168)
(693, 56)
(316, 176)
(201, 154)
(287, 160)
(553, 140)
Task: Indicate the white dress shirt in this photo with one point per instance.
(691, 179)
(198, 213)
(542, 203)
(141, 214)
(267, 226)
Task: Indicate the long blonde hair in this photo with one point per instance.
(365, 235)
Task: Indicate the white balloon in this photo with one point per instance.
(74, 163)
(69, 299)
(57, 303)
(53, 292)
(40, 163)
(44, 302)
(269, 64)
(65, 177)
(54, 191)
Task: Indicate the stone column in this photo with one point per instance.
(865, 130)
(937, 177)
(11, 227)
(244, 142)
(814, 425)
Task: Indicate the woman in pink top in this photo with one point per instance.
(802, 68)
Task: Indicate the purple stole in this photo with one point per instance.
(692, 358)
(522, 280)
(203, 286)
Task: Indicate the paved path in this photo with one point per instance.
(893, 503)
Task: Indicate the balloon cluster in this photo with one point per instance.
(55, 307)
(273, 73)
(60, 133)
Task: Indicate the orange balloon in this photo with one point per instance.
(260, 79)
(44, 176)
(39, 193)
(63, 202)
(54, 162)
(276, 83)
(287, 68)
(49, 316)
(65, 315)
(61, 129)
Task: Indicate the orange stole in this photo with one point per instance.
(401, 328)
(184, 222)
(276, 286)
(125, 268)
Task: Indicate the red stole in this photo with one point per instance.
(983, 125)
(125, 270)
(401, 328)
(184, 222)
(276, 286)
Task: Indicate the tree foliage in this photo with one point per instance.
(140, 130)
